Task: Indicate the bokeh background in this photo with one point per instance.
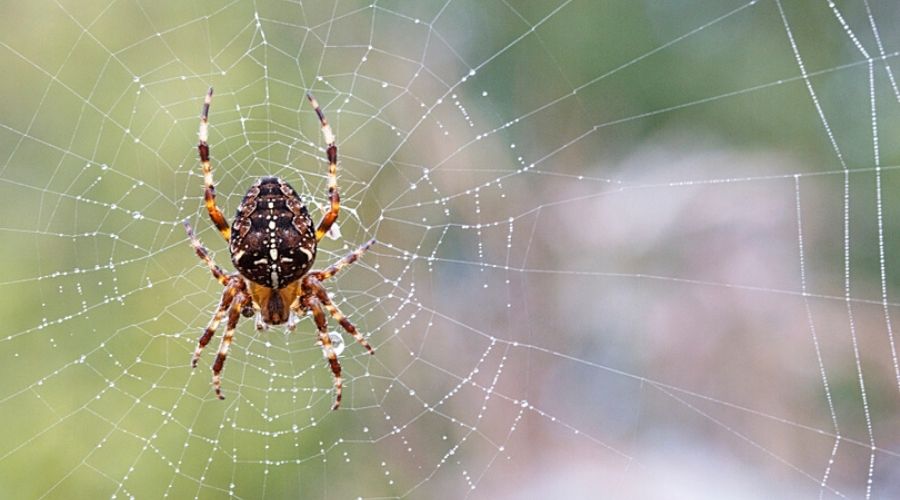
(627, 249)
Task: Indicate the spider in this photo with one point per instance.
(273, 246)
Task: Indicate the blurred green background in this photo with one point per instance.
(626, 248)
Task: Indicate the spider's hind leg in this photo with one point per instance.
(333, 196)
(209, 187)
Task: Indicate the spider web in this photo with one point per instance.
(637, 248)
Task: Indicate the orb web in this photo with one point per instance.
(634, 247)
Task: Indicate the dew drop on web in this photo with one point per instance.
(337, 342)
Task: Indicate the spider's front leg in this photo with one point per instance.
(240, 301)
(315, 287)
(235, 301)
(327, 349)
(224, 305)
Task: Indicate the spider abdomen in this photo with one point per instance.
(273, 242)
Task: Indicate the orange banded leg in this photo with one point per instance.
(224, 305)
(327, 349)
(335, 313)
(209, 191)
(201, 251)
(347, 325)
(233, 315)
(333, 196)
(348, 259)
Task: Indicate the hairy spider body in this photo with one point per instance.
(273, 245)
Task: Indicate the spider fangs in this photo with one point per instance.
(273, 246)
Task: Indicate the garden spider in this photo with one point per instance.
(273, 245)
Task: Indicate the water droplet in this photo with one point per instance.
(337, 342)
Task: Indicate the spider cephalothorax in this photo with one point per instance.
(273, 246)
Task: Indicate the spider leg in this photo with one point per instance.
(331, 151)
(209, 191)
(227, 298)
(298, 311)
(233, 315)
(294, 318)
(332, 309)
(348, 259)
(321, 324)
(259, 322)
(201, 251)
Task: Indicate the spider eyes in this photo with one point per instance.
(247, 311)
